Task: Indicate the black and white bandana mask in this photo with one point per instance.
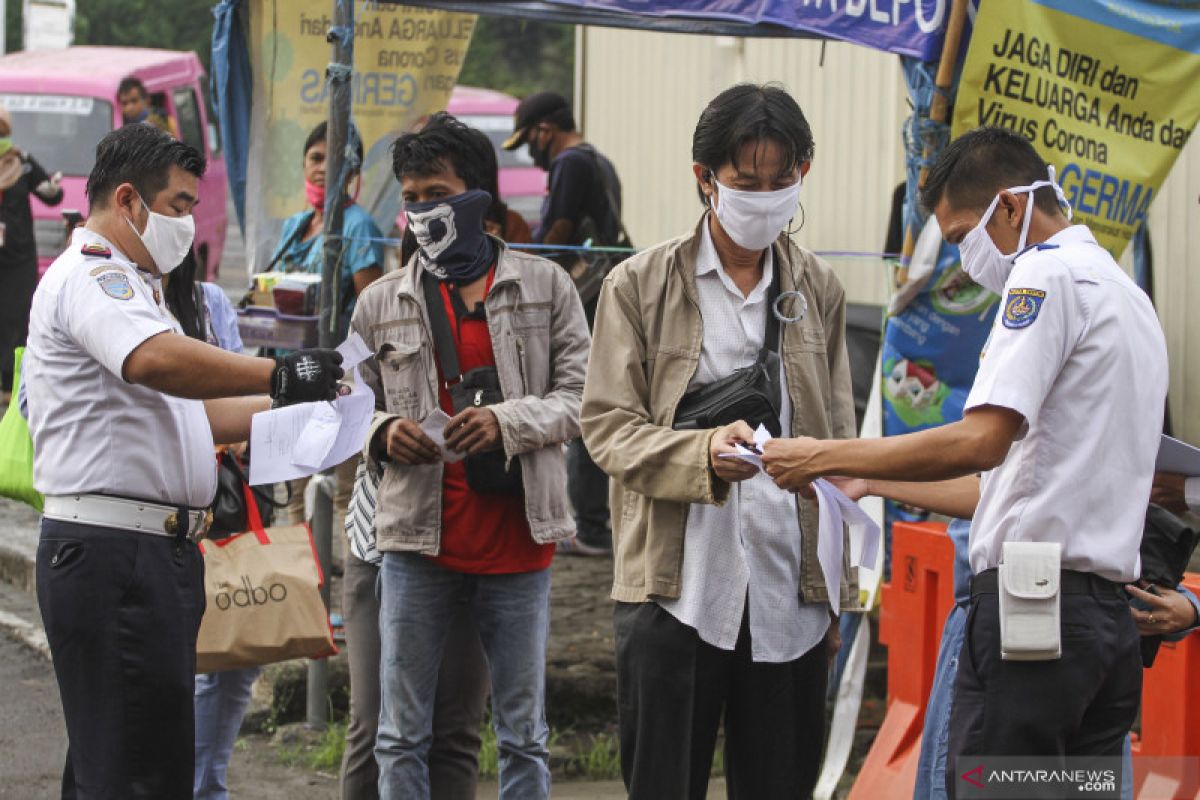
(450, 235)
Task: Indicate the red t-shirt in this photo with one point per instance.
(481, 533)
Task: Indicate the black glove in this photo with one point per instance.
(306, 376)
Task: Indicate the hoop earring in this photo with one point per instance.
(793, 231)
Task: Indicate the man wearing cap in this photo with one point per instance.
(583, 204)
(124, 411)
(20, 177)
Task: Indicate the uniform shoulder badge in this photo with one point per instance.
(115, 284)
(1021, 307)
(97, 249)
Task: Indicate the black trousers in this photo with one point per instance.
(1082, 704)
(121, 611)
(672, 690)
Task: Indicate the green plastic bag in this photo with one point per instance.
(16, 449)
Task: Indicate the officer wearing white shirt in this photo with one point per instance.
(124, 413)
(1063, 421)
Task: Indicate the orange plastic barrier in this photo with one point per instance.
(1166, 761)
(913, 609)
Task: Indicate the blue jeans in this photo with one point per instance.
(221, 700)
(935, 739)
(512, 613)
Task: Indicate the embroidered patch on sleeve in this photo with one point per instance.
(1022, 306)
(115, 284)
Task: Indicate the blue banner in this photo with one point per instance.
(906, 27)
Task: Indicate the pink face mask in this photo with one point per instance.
(315, 195)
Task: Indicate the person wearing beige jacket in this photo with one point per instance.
(722, 611)
(473, 517)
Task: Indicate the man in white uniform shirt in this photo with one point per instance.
(1063, 421)
(124, 413)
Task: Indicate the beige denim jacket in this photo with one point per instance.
(648, 336)
(540, 339)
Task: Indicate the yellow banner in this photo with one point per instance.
(1107, 93)
(406, 62)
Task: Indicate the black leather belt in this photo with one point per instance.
(1071, 582)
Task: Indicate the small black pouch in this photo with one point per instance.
(751, 393)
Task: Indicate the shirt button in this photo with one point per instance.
(54, 560)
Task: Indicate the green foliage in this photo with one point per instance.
(516, 56)
(324, 756)
(165, 24)
(520, 56)
(600, 759)
(489, 755)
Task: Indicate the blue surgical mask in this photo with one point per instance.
(450, 236)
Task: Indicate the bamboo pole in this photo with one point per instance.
(938, 111)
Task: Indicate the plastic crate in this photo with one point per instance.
(261, 326)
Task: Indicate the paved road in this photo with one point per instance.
(32, 739)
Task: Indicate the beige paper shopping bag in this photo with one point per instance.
(264, 602)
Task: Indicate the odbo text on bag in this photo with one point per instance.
(250, 595)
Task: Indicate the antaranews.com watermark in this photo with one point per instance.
(997, 777)
(994, 777)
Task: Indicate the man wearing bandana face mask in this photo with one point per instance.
(444, 540)
(1063, 422)
(124, 411)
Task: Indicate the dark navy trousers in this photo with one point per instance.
(122, 610)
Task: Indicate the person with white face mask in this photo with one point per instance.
(1063, 422)
(124, 411)
(722, 610)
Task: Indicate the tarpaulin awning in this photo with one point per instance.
(905, 27)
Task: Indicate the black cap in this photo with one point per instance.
(532, 110)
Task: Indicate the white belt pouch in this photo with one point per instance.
(1030, 599)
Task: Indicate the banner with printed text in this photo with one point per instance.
(406, 62)
(1108, 92)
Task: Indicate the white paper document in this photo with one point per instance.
(1178, 457)
(354, 351)
(751, 455)
(434, 427)
(297, 441)
(836, 510)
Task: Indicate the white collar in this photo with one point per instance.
(708, 262)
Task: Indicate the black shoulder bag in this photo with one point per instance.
(751, 393)
(234, 494)
(486, 472)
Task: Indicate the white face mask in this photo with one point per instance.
(166, 239)
(755, 219)
(980, 257)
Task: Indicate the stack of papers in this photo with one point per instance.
(300, 440)
(836, 510)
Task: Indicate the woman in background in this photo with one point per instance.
(20, 176)
(205, 313)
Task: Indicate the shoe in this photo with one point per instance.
(575, 547)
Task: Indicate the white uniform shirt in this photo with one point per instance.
(1078, 351)
(751, 545)
(92, 431)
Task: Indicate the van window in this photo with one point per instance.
(498, 127)
(187, 110)
(60, 131)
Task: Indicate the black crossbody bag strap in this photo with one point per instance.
(443, 338)
(771, 337)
